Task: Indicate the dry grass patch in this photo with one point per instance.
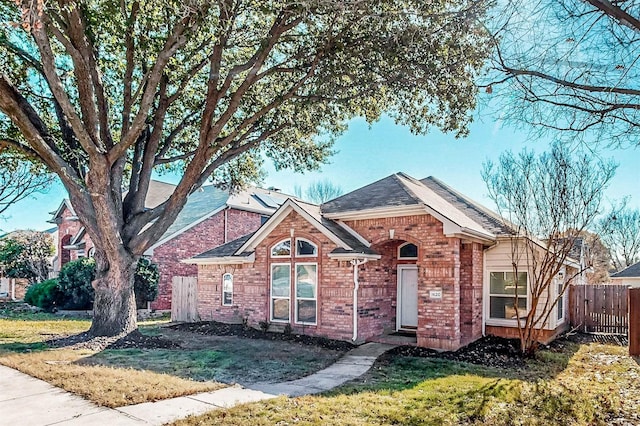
(107, 386)
(22, 347)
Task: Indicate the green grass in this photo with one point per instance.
(579, 385)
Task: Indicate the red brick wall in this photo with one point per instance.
(438, 268)
(66, 227)
(206, 235)
(471, 255)
(251, 295)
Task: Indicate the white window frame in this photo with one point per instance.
(504, 321)
(306, 255)
(281, 256)
(305, 298)
(227, 274)
(271, 297)
(407, 258)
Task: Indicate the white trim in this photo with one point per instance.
(295, 292)
(226, 260)
(378, 212)
(278, 217)
(223, 292)
(399, 270)
(353, 256)
(281, 256)
(317, 249)
(407, 258)
(502, 322)
(271, 297)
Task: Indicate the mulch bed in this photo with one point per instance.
(488, 351)
(128, 341)
(214, 328)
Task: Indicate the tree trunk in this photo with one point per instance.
(114, 307)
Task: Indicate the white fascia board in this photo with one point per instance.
(226, 260)
(353, 256)
(382, 212)
(185, 229)
(278, 217)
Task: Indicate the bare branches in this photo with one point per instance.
(19, 179)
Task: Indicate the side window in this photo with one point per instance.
(282, 249)
(227, 289)
(503, 287)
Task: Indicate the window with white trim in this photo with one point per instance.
(280, 292)
(282, 249)
(408, 251)
(305, 248)
(306, 293)
(227, 289)
(502, 295)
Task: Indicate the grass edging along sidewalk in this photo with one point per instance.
(571, 382)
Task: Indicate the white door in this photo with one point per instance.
(407, 297)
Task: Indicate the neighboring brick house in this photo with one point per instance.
(210, 217)
(407, 256)
(628, 276)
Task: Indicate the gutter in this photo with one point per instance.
(356, 287)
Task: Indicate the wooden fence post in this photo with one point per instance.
(634, 321)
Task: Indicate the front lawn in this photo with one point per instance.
(569, 384)
(135, 371)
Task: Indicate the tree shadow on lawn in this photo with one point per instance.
(227, 359)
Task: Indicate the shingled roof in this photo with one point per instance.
(475, 211)
(387, 192)
(632, 271)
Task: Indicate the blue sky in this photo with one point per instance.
(366, 154)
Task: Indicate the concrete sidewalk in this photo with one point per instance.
(27, 401)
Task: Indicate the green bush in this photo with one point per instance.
(75, 283)
(45, 295)
(145, 283)
(77, 292)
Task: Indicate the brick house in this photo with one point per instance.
(210, 217)
(398, 256)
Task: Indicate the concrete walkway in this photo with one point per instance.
(27, 401)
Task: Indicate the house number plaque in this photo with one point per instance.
(435, 294)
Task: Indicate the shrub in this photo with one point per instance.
(145, 284)
(75, 283)
(45, 295)
(77, 292)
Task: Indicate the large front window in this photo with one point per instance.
(503, 288)
(306, 293)
(280, 292)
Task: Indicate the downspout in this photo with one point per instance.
(356, 286)
(13, 289)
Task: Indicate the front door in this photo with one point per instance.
(407, 316)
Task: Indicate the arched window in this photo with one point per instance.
(305, 248)
(91, 252)
(227, 289)
(282, 249)
(408, 251)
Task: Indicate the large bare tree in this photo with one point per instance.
(104, 92)
(572, 66)
(549, 200)
(619, 230)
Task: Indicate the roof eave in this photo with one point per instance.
(353, 256)
(376, 213)
(223, 260)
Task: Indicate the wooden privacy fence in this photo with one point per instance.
(599, 308)
(184, 298)
(634, 321)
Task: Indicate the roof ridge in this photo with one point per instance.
(399, 176)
